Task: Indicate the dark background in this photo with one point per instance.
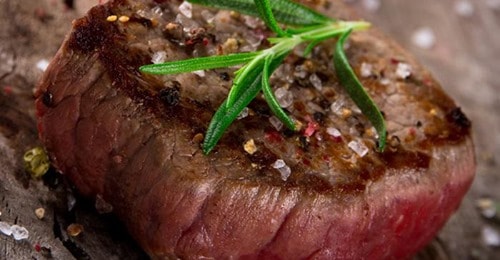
(465, 57)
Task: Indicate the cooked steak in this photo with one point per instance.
(324, 192)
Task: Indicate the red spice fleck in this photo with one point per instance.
(306, 162)
(412, 131)
(38, 248)
(273, 136)
(428, 82)
(7, 90)
(205, 41)
(337, 139)
(189, 42)
(394, 61)
(311, 128)
(40, 13)
(326, 158)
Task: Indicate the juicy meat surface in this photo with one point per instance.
(134, 141)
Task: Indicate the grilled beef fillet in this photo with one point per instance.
(133, 140)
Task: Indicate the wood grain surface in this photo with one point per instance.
(465, 57)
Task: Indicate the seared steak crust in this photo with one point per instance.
(134, 140)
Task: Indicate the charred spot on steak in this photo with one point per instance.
(224, 76)
(459, 118)
(48, 99)
(170, 96)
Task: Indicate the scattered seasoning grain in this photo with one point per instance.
(433, 112)
(370, 132)
(394, 141)
(171, 26)
(230, 46)
(112, 18)
(74, 229)
(40, 213)
(234, 14)
(346, 112)
(124, 19)
(198, 138)
(487, 207)
(308, 65)
(36, 162)
(250, 146)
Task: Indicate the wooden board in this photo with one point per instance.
(465, 58)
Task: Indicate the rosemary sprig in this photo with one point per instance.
(310, 28)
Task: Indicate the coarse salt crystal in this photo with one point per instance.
(159, 57)
(403, 70)
(186, 9)
(464, 8)
(366, 70)
(243, 113)
(276, 123)
(337, 106)
(278, 164)
(5, 228)
(19, 232)
(42, 64)
(284, 97)
(491, 237)
(284, 169)
(371, 5)
(385, 81)
(358, 147)
(316, 81)
(252, 22)
(424, 38)
(207, 16)
(333, 132)
(187, 23)
(200, 73)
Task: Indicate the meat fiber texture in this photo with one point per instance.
(133, 140)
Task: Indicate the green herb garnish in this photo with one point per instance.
(308, 27)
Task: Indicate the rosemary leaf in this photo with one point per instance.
(203, 63)
(244, 77)
(349, 80)
(310, 47)
(266, 14)
(271, 99)
(226, 115)
(285, 11)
